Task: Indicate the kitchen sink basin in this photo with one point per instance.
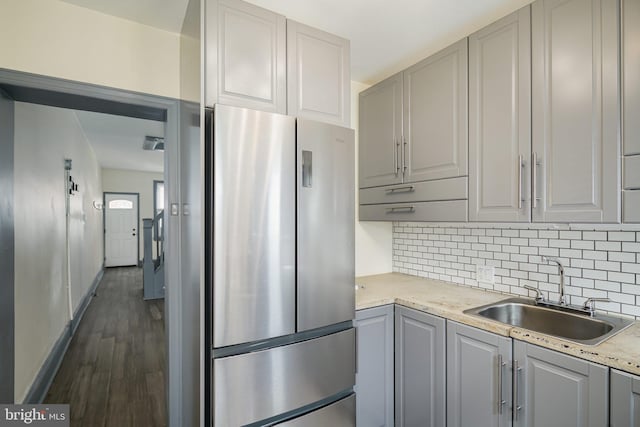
(557, 321)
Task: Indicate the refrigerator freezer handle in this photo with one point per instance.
(307, 168)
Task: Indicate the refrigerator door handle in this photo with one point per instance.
(307, 168)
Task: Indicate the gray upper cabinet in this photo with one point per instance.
(318, 75)
(380, 133)
(625, 400)
(435, 116)
(420, 369)
(245, 56)
(631, 76)
(554, 389)
(631, 109)
(575, 110)
(500, 120)
(478, 380)
(374, 376)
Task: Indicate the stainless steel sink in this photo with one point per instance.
(559, 322)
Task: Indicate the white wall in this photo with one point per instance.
(126, 181)
(373, 239)
(62, 40)
(44, 137)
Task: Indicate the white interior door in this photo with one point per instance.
(120, 229)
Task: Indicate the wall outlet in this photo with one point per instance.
(486, 274)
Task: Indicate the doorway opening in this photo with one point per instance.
(69, 260)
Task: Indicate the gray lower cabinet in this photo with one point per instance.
(420, 369)
(624, 399)
(554, 389)
(500, 120)
(575, 111)
(478, 378)
(374, 376)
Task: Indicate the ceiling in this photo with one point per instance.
(117, 141)
(165, 14)
(386, 36)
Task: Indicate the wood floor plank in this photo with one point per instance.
(114, 371)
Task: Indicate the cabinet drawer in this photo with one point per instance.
(449, 211)
(631, 172)
(427, 191)
(631, 206)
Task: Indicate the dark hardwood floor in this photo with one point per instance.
(114, 371)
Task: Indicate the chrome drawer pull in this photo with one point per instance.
(405, 189)
(400, 209)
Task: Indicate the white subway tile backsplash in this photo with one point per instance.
(604, 262)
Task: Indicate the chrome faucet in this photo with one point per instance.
(561, 271)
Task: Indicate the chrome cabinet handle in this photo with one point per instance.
(400, 209)
(404, 156)
(520, 167)
(534, 166)
(395, 155)
(501, 401)
(404, 189)
(516, 390)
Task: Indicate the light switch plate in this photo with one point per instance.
(486, 274)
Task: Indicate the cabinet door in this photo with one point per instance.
(435, 116)
(500, 119)
(631, 75)
(478, 380)
(380, 133)
(554, 389)
(248, 66)
(374, 376)
(575, 110)
(625, 399)
(420, 369)
(318, 75)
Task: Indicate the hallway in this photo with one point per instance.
(113, 373)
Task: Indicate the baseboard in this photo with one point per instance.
(47, 373)
(49, 368)
(82, 307)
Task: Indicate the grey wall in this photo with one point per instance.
(6, 251)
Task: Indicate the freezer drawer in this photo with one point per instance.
(255, 386)
(253, 225)
(339, 414)
(326, 221)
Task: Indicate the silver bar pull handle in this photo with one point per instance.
(404, 156)
(404, 189)
(396, 147)
(534, 167)
(307, 168)
(520, 167)
(516, 390)
(400, 209)
(501, 401)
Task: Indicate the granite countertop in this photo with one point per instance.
(448, 300)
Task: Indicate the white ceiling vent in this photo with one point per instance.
(153, 143)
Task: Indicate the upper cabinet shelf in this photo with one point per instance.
(257, 59)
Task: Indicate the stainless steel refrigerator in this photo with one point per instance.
(280, 269)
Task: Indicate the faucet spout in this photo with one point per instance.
(561, 272)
